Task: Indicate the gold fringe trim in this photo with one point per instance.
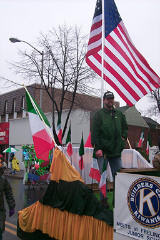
(63, 225)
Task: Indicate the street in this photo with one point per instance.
(24, 196)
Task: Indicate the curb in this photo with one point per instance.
(18, 175)
(13, 176)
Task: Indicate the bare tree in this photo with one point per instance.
(62, 65)
(153, 109)
(156, 96)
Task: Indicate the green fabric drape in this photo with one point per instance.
(75, 197)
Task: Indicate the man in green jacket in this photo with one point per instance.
(108, 135)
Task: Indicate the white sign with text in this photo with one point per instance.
(137, 206)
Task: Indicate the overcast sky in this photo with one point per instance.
(25, 19)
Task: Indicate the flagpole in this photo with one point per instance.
(37, 110)
(103, 37)
(71, 144)
(129, 143)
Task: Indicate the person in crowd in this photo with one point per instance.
(10, 160)
(2, 160)
(108, 136)
(5, 189)
(15, 165)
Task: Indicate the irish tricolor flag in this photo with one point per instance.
(40, 128)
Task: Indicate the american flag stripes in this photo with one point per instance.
(124, 68)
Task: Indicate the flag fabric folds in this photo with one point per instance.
(68, 143)
(141, 140)
(124, 68)
(149, 143)
(94, 171)
(102, 184)
(147, 148)
(40, 128)
(88, 142)
(59, 130)
(81, 153)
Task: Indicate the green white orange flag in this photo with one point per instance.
(40, 128)
(68, 143)
(81, 153)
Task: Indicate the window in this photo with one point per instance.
(23, 110)
(14, 109)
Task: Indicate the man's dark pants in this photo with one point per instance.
(115, 165)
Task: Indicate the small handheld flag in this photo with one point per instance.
(81, 153)
(59, 130)
(68, 143)
(141, 140)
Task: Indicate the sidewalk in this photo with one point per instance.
(19, 174)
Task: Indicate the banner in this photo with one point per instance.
(137, 206)
(4, 133)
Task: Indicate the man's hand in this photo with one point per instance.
(99, 153)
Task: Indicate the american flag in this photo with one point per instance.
(124, 68)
